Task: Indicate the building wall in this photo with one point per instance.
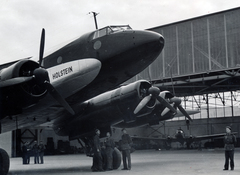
(202, 44)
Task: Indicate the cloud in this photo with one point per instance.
(21, 21)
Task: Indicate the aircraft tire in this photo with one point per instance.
(117, 158)
(4, 162)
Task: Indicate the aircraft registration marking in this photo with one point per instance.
(62, 72)
(73, 69)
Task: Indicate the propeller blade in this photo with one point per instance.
(58, 97)
(15, 81)
(142, 103)
(41, 47)
(184, 112)
(166, 110)
(165, 103)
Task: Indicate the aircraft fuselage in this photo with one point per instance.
(94, 63)
(123, 53)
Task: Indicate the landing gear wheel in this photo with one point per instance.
(4, 162)
(117, 159)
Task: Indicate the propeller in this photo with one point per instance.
(58, 97)
(42, 79)
(153, 94)
(42, 43)
(176, 101)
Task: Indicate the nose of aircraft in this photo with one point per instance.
(147, 46)
(148, 37)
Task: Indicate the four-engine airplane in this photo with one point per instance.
(182, 138)
(77, 88)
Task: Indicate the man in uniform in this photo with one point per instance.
(29, 152)
(25, 153)
(97, 157)
(126, 147)
(229, 141)
(41, 149)
(35, 152)
(109, 143)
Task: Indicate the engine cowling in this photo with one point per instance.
(113, 108)
(20, 86)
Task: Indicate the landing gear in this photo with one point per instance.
(117, 156)
(4, 162)
(117, 159)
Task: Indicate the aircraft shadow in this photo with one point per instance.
(54, 170)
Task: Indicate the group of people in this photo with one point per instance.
(109, 146)
(37, 150)
(125, 146)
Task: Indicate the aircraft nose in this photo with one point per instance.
(153, 42)
(161, 39)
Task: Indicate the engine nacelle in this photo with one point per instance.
(113, 108)
(106, 109)
(22, 68)
(19, 95)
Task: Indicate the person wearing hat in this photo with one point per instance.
(25, 153)
(126, 147)
(109, 144)
(35, 152)
(29, 152)
(97, 155)
(229, 141)
(41, 149)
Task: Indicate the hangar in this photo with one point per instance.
(200, 63)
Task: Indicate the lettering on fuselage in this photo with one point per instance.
(62, 72)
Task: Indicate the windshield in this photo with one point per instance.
(109, 30)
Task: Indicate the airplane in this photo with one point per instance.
(181, 138)
(78, 88)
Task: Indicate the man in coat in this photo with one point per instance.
(229, 141)
(97, 157)
(109, 144)
(126, 147)
(35, 152)
(41, 149)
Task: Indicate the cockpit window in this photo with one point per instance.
(109, 30)
(120, 28)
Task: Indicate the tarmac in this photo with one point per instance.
(169, 162)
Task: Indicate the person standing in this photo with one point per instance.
(41, 149)
(229, 141)
(97, 157)
(25, 153)
(109, 143)
(29, 152)
(126, 147)
(35, 152)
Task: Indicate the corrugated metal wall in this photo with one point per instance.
(198, 45)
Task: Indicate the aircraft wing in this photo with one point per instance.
(201, 83)
(206, 137)
(190, 138)
(189, 111)
(149, 138)
(9, 64)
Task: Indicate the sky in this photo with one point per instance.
(21, 21)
